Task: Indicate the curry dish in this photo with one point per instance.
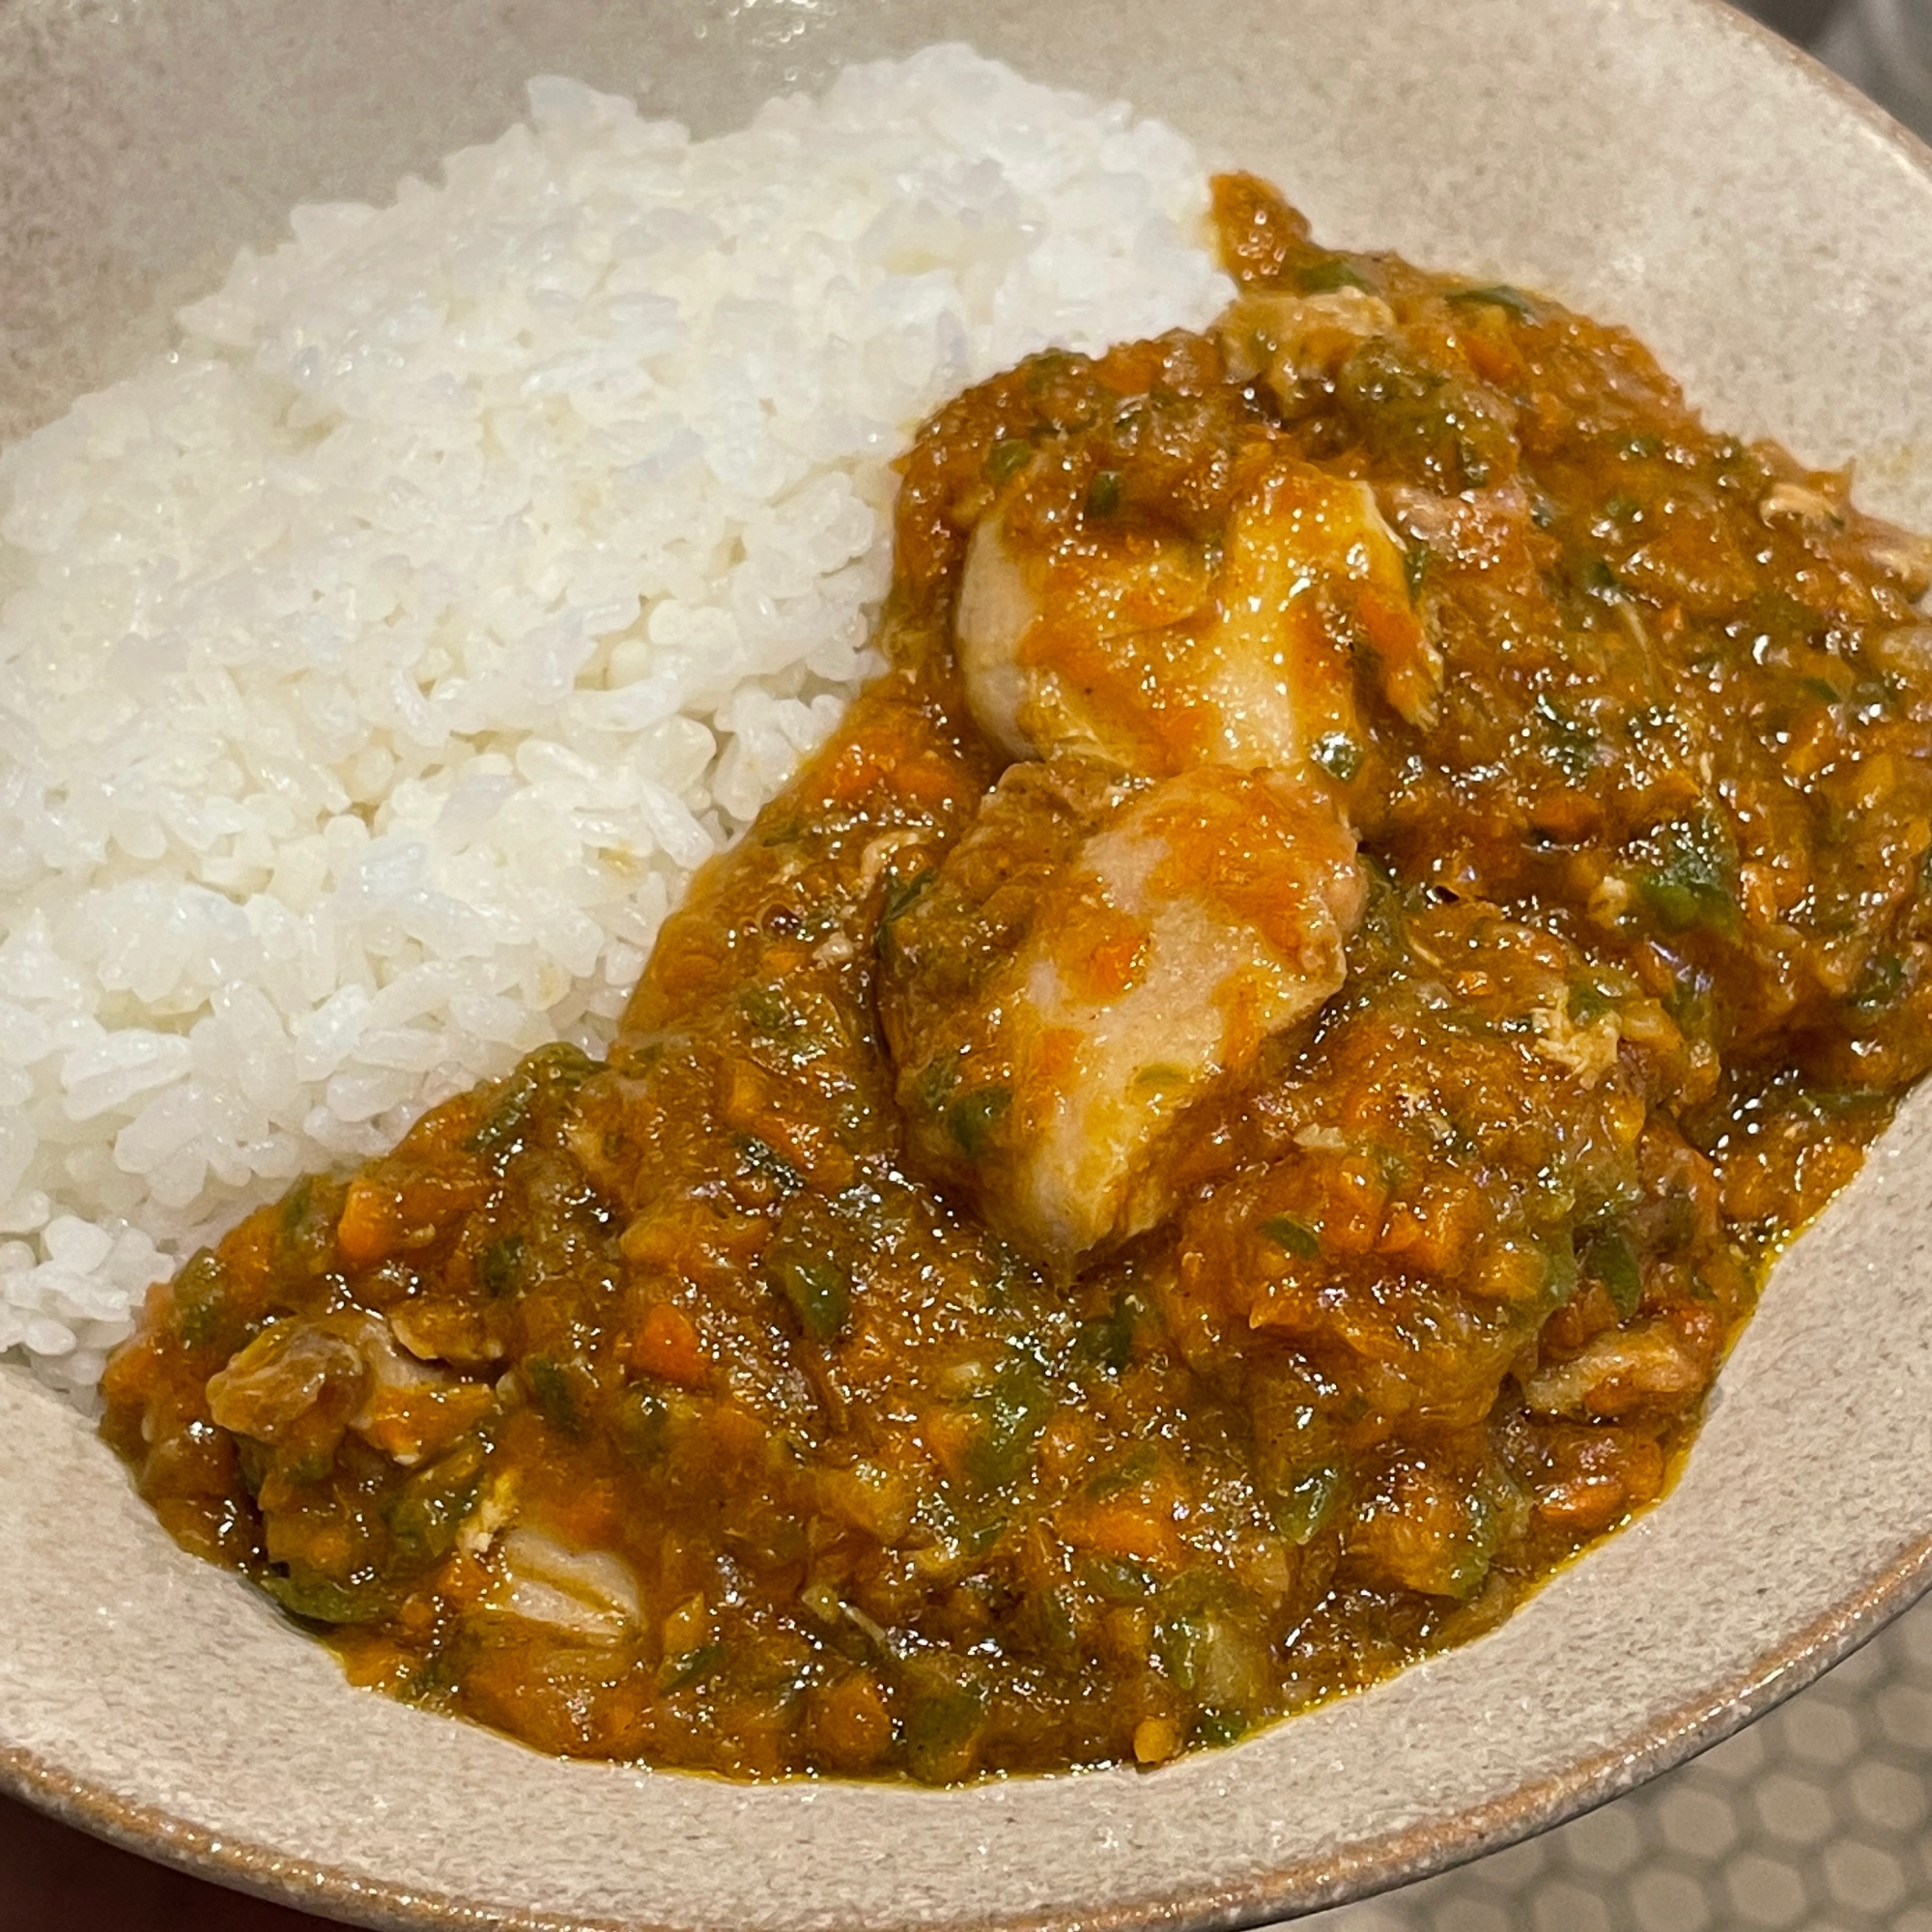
(1216, 1132)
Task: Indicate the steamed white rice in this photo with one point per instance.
(376, 668)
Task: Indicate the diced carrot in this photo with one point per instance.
(434, 1195)
(1112, 959)
(759, 1105)
(667, 1346)
(1495, 361)
(416, 1615)
(1055, 1053)
(462, 1580)
(373, 1660)
(1131, 1526)
(443, 1127)
(949, 1433)
(851, 1725)
(370, 1226)
(1156, 1740)
(738, 1439)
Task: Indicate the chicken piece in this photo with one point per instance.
(1623, 1370)
(1100, 956)
(587, 1595)
(300, 1385)
(1159, 650)
(1298, 343)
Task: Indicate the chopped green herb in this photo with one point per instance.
(426, 1512)
(1415, 562)
(1158, 1078)
(1008, 458)
(500, 1133)
(1561, 1270)
(1593, 574)
(1103, 492)
(694, 1668)
(1336, 273)
(558, 1065)
(1338, 755)
(818, 1293)
(550, 1388)
(440, 1674)
(1588, 1003)
(766, 1160)
(1302, 1510)
(1118, 1579)
(297, 1470)
(643, 1419)
(1293, 1234)
(1011, 1415)
(1051, 1626)
(1129, 1472)
(201, 1299)
(1048, 366)
(1693, 879)
(1220, 1727)
(1498, 294)
(1440, 429)
(324, 1601)
(972, 1117)
(901, 894)
(499, 1266)
(768, 1010)
(1610, 1257)
(1573, 746)
(1179, 1643)
(1471, 1555)
(1880, 984)
(1109, 1340)
(306, 1224)
(941, 1716)
(937, 1082)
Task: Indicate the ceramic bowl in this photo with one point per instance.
(1656, 161)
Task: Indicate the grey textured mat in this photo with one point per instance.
(1814, 1819)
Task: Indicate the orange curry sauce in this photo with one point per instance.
(780, 1396)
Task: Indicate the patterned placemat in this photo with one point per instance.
(1814, 1818)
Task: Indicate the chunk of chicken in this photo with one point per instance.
(588, 1595)
(1161, 650)
(1097, 956)
(300, 1384)
(1296, 342)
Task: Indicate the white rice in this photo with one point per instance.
(379, 665)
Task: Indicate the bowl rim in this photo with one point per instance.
(1306, 1884)
(1311, 1884)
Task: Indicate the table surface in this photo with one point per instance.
(53, 1877)
(1812, 1819)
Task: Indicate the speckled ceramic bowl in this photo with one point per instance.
(1658, 161)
